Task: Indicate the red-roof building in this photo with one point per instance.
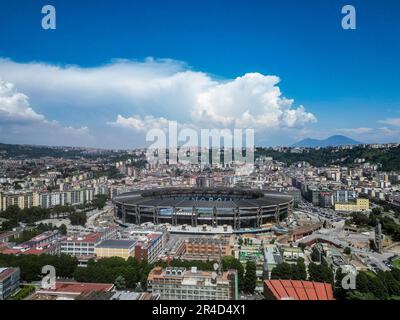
(78, 287)
(70, 290)
(297, 290)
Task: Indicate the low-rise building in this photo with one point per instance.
(42, 239)
(71, 290)
(358, 206)
(272, 257)
(332, 257)
(84, 245)
(253, 253)
(291, 254)
(115, 248)
(150, 247)
(207, 248)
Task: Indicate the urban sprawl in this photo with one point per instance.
(116, 227)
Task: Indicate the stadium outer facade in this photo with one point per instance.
(239, 208)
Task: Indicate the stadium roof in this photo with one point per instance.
(228, 198)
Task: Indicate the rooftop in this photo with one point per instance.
(78, 288)
(222, 198)
(6, 272)
(299, 290)
(120, 244)
(91, 237)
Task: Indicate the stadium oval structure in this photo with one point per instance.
(239, 208)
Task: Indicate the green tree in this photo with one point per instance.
(362, 282)
(283, 271)
(99, 201)
(338, 291)
(377, 287)
(120, 283)
(357, 295)
(389, 281)
(300, 270)
(302, 246)
(8, 225)
(250, 277)
(377, 211)
(230, 262)
(78, 218)
(63, 229)
(320, 273)
(396, 273)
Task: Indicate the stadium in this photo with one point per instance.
(238, 208)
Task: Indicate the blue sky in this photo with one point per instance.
(347, 80)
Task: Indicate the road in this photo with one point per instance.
(93, 215)
(374, 260)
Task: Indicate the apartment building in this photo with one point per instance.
(207, 248)
(23, 200)
(149, 247)
(70, 197)
(9, 282)
(182, 284)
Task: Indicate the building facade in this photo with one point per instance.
(9, 282)
(84, 245)
(115, 248)
(182, 284)
(207, 248)
(358, 206)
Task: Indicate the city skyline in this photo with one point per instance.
(288, 71)
(206, 157)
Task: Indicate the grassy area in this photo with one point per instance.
(396, 263)
(370, 273)
(23, 292)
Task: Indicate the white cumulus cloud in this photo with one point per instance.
(141, 124)
(18, 120)
(15, 105)
(141, 95)
(251, 101)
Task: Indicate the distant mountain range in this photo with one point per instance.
(333, 141)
